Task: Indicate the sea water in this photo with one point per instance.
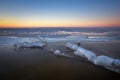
(11, 36)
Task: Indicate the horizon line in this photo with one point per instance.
(61, 27)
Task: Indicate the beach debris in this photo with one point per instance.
(104, 61)
(108, 63)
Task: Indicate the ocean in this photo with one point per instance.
(12, 35)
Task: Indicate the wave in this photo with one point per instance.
(12, 39)
(58, 32)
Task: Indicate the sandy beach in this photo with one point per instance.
(37, 64)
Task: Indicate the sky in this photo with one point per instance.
(59, 13)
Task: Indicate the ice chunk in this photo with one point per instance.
(117, 62)
(57, 52)
(39, 43)
(108, 62)
(86, 54)
(79, 51)
(104, 61)
(72, 46)
(36, 44)
(69, 45)
(116, 66)
(33, 44)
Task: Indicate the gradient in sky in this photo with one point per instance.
(59, 13)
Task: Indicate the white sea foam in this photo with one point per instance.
(13, 39)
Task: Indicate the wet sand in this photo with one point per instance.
(40, 64)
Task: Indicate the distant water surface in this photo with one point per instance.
(9, 36)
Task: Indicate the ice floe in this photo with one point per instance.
(91, 56)
(32, 44)
(79, 51)
(102, 60)
(108, 63)
(59, 53)
(72, 46)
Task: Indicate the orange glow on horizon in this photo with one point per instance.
(36, 23)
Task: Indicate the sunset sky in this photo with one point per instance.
(59, 13)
